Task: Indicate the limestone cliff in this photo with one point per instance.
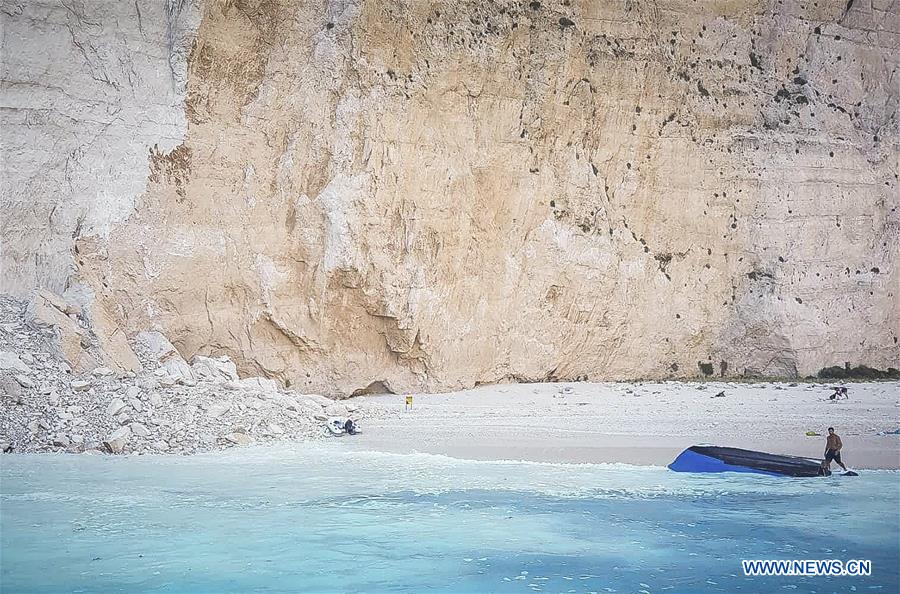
(428, 195)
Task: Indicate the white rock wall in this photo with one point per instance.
(429, 195)
(88, 90)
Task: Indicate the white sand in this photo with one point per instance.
(644, 423)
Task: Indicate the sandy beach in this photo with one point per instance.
(639, 423)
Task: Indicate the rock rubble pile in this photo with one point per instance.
(168, 406)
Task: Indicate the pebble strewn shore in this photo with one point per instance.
(170, 406)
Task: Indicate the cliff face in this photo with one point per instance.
(429, 195)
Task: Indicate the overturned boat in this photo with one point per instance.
(719, 459)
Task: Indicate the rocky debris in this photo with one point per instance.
(172, 366)
(81, 385)
(166, 380)
(10, 387)
(217, 409)
(166, 407)
(50, 314)
(238, 438)
(336, 409)
(261, 384)
(115, 407)
(84, 341)
(209, 368)
(60, 441)
(24, 381)
(318, 399)
(12, 362)
(116, 442)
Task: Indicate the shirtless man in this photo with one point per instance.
(833, 447)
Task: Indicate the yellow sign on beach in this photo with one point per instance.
(408, 402)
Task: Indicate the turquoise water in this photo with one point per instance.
(322, 518)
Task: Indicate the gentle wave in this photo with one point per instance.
(332, 470)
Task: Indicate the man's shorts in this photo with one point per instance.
(833, 455)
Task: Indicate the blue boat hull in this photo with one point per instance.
(719, 459)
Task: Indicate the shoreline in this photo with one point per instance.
(635, 423)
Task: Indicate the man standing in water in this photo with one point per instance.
(833, 447)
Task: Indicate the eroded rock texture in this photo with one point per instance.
(427, 195)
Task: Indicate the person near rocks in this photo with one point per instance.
(839, 394)
(350, 427)
(833, 446)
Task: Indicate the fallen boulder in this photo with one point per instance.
(114, 407)
(239, 438)
(155, 346)
(60, 441)
(214, 369)
(25, 381)
(217, 409)
(10, 361)
(139, 430)
(49, 311)
(10, 387)
(85, 338)
(117, 440)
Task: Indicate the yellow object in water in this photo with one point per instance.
(813, 434)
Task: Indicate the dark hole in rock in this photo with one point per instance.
(858, 372)
(376, 387)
